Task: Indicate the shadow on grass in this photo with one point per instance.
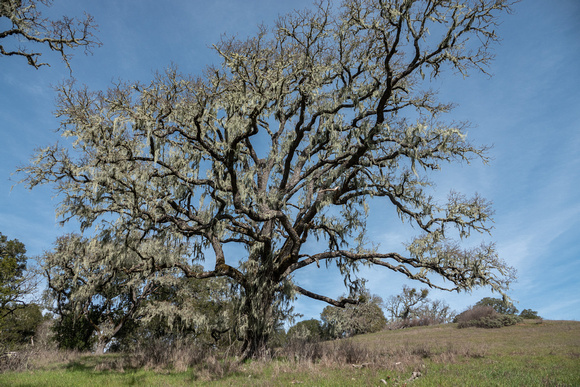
(78, 366)
(100, 366)
(113, 363)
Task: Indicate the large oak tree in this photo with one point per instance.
(287, 141)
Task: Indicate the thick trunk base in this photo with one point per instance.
(255, 347)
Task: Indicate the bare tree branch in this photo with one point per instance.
(328, 300)
(28, 25)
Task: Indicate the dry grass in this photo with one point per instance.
(31, 359)
(415, 322)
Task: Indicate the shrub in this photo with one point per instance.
(501, 306)
(508, 320)
(420, 321)
(412, 308)
(485, 317)
(475, 313)
(529, 314)
(337, 352)
(348, 352)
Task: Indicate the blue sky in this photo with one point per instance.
(529, 111)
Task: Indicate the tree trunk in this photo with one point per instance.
(257, 309)
(102, 342)
(105, 336)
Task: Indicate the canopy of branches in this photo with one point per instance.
(287, 141)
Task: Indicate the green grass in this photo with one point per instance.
(527, 354)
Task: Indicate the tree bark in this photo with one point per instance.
(101, 345)
(258, 309)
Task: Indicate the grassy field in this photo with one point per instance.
(527, 354)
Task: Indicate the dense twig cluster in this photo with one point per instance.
(28, 25)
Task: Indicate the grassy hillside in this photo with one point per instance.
(527, 354)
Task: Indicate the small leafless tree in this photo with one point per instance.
(404, 306)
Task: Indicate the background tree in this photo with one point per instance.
(190, 309)
(16, 282)
(436, 312)
(501, 306)
(406, 305)
(529, 314)
(28, 25)
(366, 316)
(71, 330)
(308, 330)
(287, 141)
(105, 293)
(19, 316)
(100, 281)
(412, 307)
(19, 327)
